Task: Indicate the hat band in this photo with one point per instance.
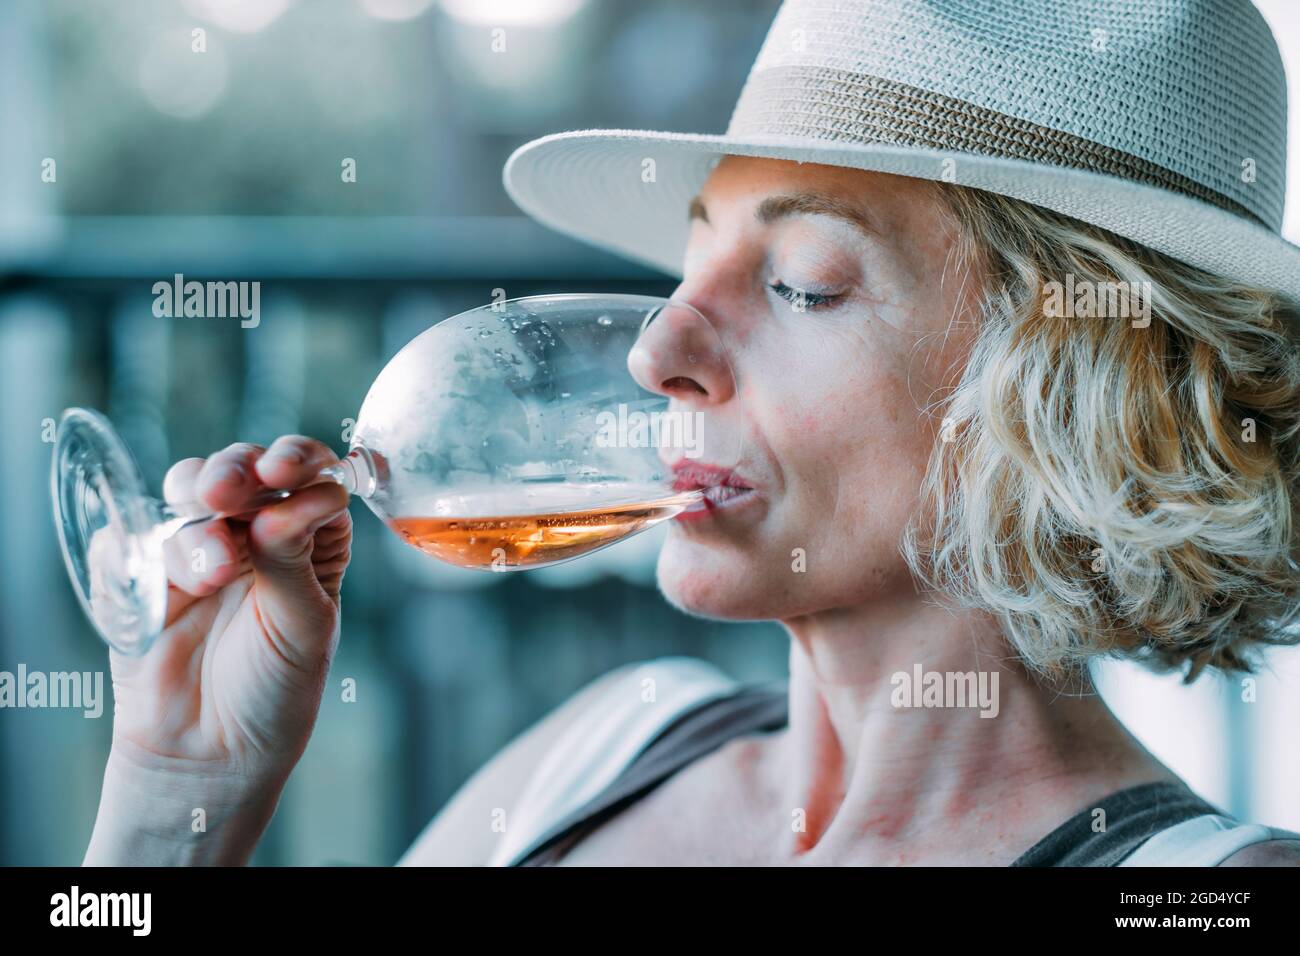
(837, 105)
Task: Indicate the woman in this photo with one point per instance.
(960, 484)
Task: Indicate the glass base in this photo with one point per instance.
(108, 529)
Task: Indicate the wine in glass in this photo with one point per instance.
(515, 435)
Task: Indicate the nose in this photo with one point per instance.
(679, 354)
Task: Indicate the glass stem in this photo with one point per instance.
(356, 473)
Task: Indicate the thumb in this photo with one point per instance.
(281, 540)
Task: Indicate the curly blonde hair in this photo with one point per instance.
(1105, 488)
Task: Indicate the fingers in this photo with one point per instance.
(297, 577)
(280, 535)
(227, 479)
(296, 609)
(232, 477)
(293, 461)
(203, 558)
(178, 484)
(331, 553)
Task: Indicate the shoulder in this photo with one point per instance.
(1216, 839)
(462, 833)
(1269, 853)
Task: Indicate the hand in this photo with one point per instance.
(222, 706)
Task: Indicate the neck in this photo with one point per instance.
(869, 754)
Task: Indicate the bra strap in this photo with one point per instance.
(1106, 833)
(634, 704)
(695, 733)
(1127, 818)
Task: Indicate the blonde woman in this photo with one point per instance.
(1014, 332)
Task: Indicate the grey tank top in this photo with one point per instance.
(1132, 815)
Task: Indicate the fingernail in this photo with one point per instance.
(228, 474)
(284, 456)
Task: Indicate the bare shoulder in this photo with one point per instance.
(461, 833)
(1272, 853)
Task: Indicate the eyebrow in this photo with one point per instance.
(775, 208)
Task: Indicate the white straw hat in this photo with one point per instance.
(1163, 121)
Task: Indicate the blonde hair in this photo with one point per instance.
(1098, 489)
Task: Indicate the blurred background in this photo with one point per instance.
(227, 166)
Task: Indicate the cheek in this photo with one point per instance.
(852, 444)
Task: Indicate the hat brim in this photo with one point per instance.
(595, 185)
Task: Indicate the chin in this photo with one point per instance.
(717, 583)
(722, 580)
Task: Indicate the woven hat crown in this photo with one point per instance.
(1187, 95)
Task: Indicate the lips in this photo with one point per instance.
(722, 487)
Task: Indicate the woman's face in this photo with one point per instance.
(843, 318)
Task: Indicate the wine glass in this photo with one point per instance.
(516, 435)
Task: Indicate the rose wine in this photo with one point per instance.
(500, 542)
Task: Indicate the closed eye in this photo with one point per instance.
(797, 297)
